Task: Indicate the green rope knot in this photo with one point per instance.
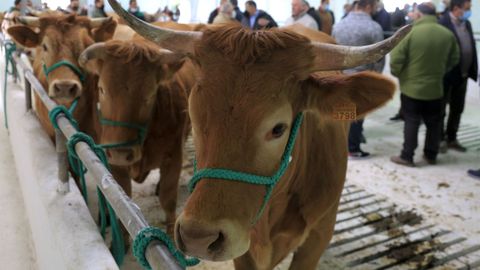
(118, 243)
(268, 181)
(55, 112)
(149, 234)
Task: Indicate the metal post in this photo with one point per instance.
(62, 159)
(128, 212)
(28, 95)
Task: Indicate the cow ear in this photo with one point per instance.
(24, 36)
(346, 97)
(105, 31)
(170, 63)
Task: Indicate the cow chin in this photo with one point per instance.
(220, 241)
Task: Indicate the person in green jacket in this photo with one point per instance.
(420, 61)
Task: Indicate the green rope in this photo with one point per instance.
(10, 48)
(142, 131)
(66, 63)
(146, 236)
(118, 243)
(268, 181)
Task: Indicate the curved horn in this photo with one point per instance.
(97, 22)
(29, 21)
(94, 51)
(178, 41)
(336, 57)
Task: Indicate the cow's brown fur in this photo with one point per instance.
(65, 37)
(246, 80)
(151, 92)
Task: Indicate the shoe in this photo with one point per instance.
(443, 148)
(430, 161)
(474, 173)
(455, 145)
(400, 161)
(396, 117)
(358, 155)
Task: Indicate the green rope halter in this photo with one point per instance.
(146, 236)
(268, 181)
(10, 48)
(142, 131)
(74, 68)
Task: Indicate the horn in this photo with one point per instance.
(178, 41)
(94, 51)
(29, 21)
(97, 22)
(336, 57)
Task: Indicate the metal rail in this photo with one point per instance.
(128, 212)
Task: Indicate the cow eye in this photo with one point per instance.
(44, 47)
(278, 130)
(101, 90)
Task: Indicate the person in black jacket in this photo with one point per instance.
(256, 19)
(238, 13)
(315, 15)
(455, 81)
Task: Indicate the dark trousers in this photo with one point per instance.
(355, 136)
(454, 95)
(414, 111)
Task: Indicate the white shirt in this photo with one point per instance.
(305, 19)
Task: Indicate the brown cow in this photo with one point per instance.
(63, 38)
(152, 95)
(251, 87)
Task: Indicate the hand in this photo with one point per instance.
(263, 22)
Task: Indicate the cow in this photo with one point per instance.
(267, 183)
(58, 42)
(152, 96)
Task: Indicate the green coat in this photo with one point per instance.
(421, 60)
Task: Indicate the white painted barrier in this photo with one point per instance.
(63, 231)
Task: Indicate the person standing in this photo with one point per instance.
(236, 14)
(135, 10)
(359, 29)
(327, 16)
(300, 15)
(455, 82)
(420, 64)
(256, 19)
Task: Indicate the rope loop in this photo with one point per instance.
(149, 234)
(55, 112)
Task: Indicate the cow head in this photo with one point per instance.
(130, 74)
(59, 41)
(251, 87)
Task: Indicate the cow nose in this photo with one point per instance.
(66, 89)
(200, 241)
(122, 156)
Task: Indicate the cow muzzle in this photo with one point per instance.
(214, 242)
(124, 156)
(67, 90)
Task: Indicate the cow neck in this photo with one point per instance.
(268, 181)
(141, 131)
(70, 65)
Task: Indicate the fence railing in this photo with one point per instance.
(157, 254)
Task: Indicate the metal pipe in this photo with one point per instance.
(28, 95)
(127, 211)
(62, 159)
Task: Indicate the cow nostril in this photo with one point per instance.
(73, 90)
(217, 245)
(130, 156)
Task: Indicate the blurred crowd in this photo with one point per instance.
(433, 64)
